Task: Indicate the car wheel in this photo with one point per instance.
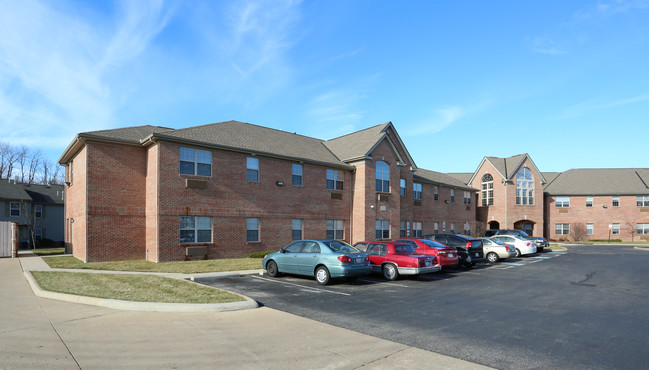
(390, 271)
(492, 257)
(351, 279)
(518, 252)
(322, 275)
(271, 268)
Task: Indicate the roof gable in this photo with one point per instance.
(507, 168)
(601, 181)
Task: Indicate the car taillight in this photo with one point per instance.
(344, 259)
(367, 258)
(468, 245)
(442, 253)
(528, 244)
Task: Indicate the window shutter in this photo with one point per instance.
(43, 213)
(6, 209)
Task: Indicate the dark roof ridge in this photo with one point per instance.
(127, 127)
(359, 131)
(250, 124)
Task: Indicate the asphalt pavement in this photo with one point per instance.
(38, 332)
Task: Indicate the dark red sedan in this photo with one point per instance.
(394, 259)
(446, 256)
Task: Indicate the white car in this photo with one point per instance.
(523, 246)
(495, 250)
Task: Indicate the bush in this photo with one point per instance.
(259, 254)
(606, 240)
(45, 243)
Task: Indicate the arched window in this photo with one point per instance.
(382, 177)
(524, 187)
(487, 190)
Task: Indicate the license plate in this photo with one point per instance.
(359, 260)
(477, 254)
(427, 263)
(451, 255)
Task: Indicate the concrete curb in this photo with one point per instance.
(641, 248)
(141, 306)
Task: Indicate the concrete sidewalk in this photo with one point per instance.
(44, 333)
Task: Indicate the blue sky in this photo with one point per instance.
(565, 81)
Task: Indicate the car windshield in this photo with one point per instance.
(340, 247)
(433, 244)
(497, 241)
(524, 234)
(404, 249)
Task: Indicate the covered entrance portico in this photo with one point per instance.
(525, 225)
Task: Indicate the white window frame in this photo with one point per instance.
(589, 229)
(416, 229)
(416, 190)
(335, 230)
(38, 211)
(562, 229)
(642, 229)
(196, 224)
(297, 225)
(252, 229)
(402, 187)
(297, 176)
(452, 195)
(435, 228)
(467, 198)
(524, 187)
(562, 201)
(335, 180)
(589, 201)
(15, 209)
(452, 228)
(642, 200)
(615, 201)
(403, 229)
(435, 192)
(38, 234)
(252, 169)
(487, 190)
(382, 229)
(382, 170)
(616, 229)
(199, 160)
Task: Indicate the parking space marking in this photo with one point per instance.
(545, 258)
(301, 286)
(386, 281)
(513, 264)
(557, 252)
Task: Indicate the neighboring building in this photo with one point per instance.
(38, 209)
(234, 188)
(605, 203)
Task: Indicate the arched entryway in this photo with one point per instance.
(525, 225)
(494, 225)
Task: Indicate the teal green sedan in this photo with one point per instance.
(322, 259)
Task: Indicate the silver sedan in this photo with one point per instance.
(495, 250)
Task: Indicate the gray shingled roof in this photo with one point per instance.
(604, 181)
(440, 179)
(128, 134)
(507, 166)
(465, 177)
(241, 136)
(52, 194)
(357, 144)
(11, 191)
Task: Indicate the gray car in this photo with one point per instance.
(539, 241)
(495, 250)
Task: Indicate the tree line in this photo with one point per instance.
(28, 166)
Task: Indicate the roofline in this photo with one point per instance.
(403, 146)
(485, 159)
(156, 137)
(81, 139)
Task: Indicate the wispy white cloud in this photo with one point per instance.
(53, 62)
(605, 9)
(335, 112)
(438, 120)
(545, 45)
(596, 105)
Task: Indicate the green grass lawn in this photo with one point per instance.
(131, 287)
(49, 251)
(185, 267)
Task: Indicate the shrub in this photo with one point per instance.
(45, 243)
(259, 254)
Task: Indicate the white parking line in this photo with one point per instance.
(545, 258)
(387, 282)
(512, 264)
(301, 286)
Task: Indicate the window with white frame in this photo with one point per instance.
(416, 229)
(382, 229)
(453, 227)
(589, 201)
(452, 195)
(435, 228)
(402, 187)
(416, 190)
(38, 211)
(616, 201)
(467, 197)
(616, 229)
(38, 234)
(382, 177)
(562, 229)
(334, 180)
(467, 228)
(296, 229)
(443, 225)
(252, 169)
(589, 229)
(562, 202)
(524, 187)
(335, 229)
(14, 209)
(643, 229)
(195, 229)
(435, 192)
(252, 229)
(487, 190)
(642, 200)
(403, 229)
(296, 178)
(195, 162)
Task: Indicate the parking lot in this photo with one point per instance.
(582, 309)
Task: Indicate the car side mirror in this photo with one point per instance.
(282, 250)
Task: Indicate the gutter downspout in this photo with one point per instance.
(351, 207)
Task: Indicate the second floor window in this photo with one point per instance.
(562, 202)
(487, 190)
(334, 180)
(435, 192)
(402, 187)
(382, 177)
(297, 175)
(467, 197)
(643, 200)
(252, 169)
(524, 187)
(452, 195)
(382, 229)
(195, 162)
(14, 209)
(589, 201)
(416, 190)
(38, 211)
(616, 201)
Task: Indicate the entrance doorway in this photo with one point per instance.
(494, 225)
(527, 226)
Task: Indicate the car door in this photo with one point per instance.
(287, 261)
(308, 258)
(377, 253)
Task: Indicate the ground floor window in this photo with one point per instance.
(403, 229)
(296, 229)
(195, 229)
(616, 229)
(335, 229)
(382, 229)
(252, 229)
(416, 229)
(452, 227)
(643, 229)
(435, 228)
(562, 229)
(467, 229)
(38, 235)
(589, 229)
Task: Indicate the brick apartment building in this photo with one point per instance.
(233, 188)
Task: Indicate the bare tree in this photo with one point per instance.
(633, 229)
(578, 232)
(56, 176)
(21, 159)
(7, 160)
(34, 160)
(46, 166)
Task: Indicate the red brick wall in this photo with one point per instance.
(627, 215)
(152, 203)
(116, 183)
(229, 199)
